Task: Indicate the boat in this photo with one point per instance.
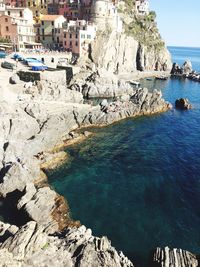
(163, 78)
(8, 65)
(30, 59)
(39, 68)
(35, 63)
(18, 57)
(3, 54)
(149, 79)
(136, 83)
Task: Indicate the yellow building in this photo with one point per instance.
(38, 7)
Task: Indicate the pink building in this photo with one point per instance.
(15, 3)
(77, 36)
(8, 28)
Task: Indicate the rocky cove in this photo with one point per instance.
(34, 122)
(38, 120)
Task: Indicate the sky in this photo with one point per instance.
(178, 21)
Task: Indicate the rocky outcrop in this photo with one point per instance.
(141, 102)
(31, 246)
(153, 59)
(183, 70)
(183, 104)
(174, 257)
(101, 84)
(121, 53)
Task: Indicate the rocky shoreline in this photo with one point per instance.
(36, 124)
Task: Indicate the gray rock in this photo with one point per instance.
(14, 79)
(32, 246)
(174, 257)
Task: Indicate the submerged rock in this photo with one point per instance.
(183, 104)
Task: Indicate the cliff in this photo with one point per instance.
(138, 47)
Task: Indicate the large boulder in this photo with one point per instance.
(183, 104)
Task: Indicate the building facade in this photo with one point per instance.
(77, 36)
(48, 30)
(104, 14)
(16, 24)
(142, 7)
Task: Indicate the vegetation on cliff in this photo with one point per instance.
(143, 28)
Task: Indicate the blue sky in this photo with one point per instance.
(178, 21)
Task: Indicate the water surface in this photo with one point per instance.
(138, 181)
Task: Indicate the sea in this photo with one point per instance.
(138, 181)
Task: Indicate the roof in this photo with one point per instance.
(50, 17)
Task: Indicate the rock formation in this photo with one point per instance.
(30, 245)
(183, 70)
(183, 104)
(174, 258)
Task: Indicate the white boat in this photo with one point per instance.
(35, 64)
(134, 83)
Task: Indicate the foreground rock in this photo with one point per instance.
(183, 104)
(100, 84)
(31, 246)
(174, 258)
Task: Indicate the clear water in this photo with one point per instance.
(138, 181)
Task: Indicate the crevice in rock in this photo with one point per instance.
(5, 146)
(42, 125)
(10, 127)
(75, 118)
(4, 170)
(8, 208)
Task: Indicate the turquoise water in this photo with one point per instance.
(138, 181)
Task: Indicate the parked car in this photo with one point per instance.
(8, 65)
(3, 54)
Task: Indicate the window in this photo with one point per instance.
(8, 13)
(83, 36)
(29, 4)
(76, 35)
(76, 43)
(6, 19)
(53, 31)
(42, 22)
(70, 43)
(65, 35)
(53, 38)
(34, 4)
(57, 39)
(65, 43)
(42, 31)
(88, 36)
(7, 28)
(21, 14)
(52, 23)
(70, 36)
(43, 38)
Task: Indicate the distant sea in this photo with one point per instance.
(180, 54)
(138, 181)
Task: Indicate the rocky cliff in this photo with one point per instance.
(32, 126)
(138, 47)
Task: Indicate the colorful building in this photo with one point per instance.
(104, 14)
(16, 24)
(38, 7)
(77, 36)
(48, 30)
